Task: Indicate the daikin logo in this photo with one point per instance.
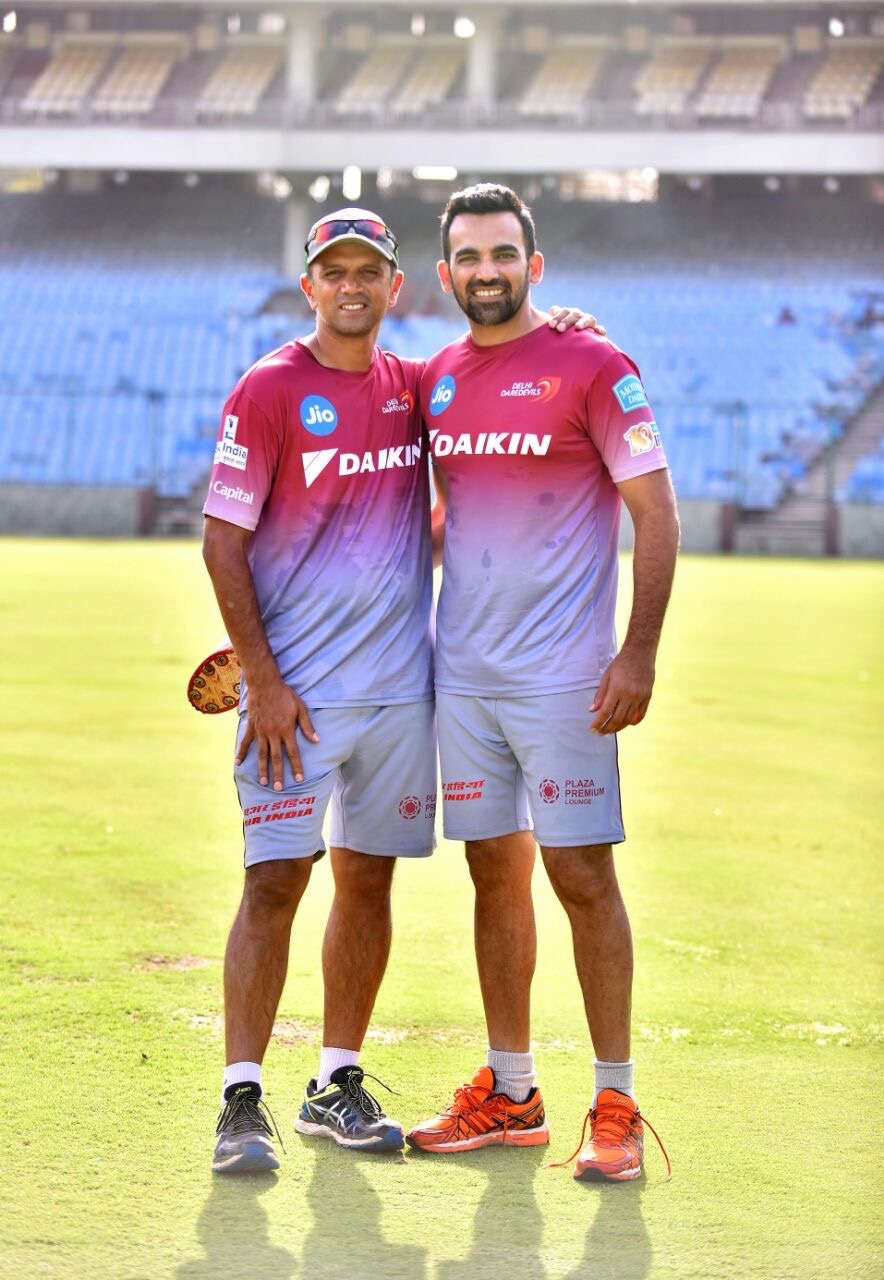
(443, 394)
(319, 415)
(351, 464)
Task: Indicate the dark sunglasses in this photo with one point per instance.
(368, 228)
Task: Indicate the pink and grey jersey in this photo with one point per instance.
(532, 436)
(329, 469)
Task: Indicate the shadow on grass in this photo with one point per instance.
(618, 1246)
(233, 1232)
(345, 1240)
(507, 1225)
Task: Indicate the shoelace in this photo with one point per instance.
(243, 1112)
(469, 1098)
(367, 1104)
(615, 1124)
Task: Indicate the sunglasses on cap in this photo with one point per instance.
(371, 230)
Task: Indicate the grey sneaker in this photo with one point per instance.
(244, 1135)
(347, 1113)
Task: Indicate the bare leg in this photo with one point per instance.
(257, 954)
(586, 884)
(356, 944)
(506, 938)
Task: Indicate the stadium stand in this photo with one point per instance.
(563, 80)
(666, 81)
(241, 79)
(120, 339)
(429, 81)
(374, 82)
(136, 79)
(866, 484)
(67, 80)
(739, 81)
(844, 82)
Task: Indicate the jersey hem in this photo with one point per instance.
(533, 691)
(381, 700)
(226, 515)
(629, 474)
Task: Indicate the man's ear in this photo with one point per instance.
(444, 275)
(307, 290)
(395, 286)
(535, 268)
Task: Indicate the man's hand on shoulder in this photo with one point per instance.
(563, 318)
(275, 712)
(624, 691)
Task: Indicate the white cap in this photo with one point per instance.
(385, 244)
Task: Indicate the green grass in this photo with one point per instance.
(752, 873)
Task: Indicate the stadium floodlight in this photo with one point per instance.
(434, 172)
(418, 24)
(464, 28)
(191, 180)
(10, 22)
(385, 179)
(120, 177)
(281, 188)
(832, 185)
(836, 27)
(234, 23)
(772, 184)
(351, 182)
(319, 188)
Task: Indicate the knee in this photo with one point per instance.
(276, 887)
(583, 879)
(503, 863)
(365, 878)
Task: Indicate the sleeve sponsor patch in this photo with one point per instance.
(227, 451)
(630, 394)
(642, 437)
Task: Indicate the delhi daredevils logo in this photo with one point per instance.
(410, 807)
(549, 791)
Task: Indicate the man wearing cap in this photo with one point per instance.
(317, 541)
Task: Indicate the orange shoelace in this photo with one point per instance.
(469, 1098)
(614, 1126)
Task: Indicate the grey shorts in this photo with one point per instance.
(512, 763)
(374, 766)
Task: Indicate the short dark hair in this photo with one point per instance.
(487, 197)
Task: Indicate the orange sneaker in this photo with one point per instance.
(616, 1141)
(480, 1117)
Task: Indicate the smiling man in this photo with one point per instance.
(320, 560)
(536, 441)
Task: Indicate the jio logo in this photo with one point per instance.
(443, 394)
(319, 415)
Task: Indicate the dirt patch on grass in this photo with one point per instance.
(175, 962)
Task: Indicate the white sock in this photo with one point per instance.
(514, 1072)
(240, 1073)
(330, 1059)
(614, 1075)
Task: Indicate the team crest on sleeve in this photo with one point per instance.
(442, 395)
(642, 437)
(227, 451)
(629, 393)
(318, 415)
